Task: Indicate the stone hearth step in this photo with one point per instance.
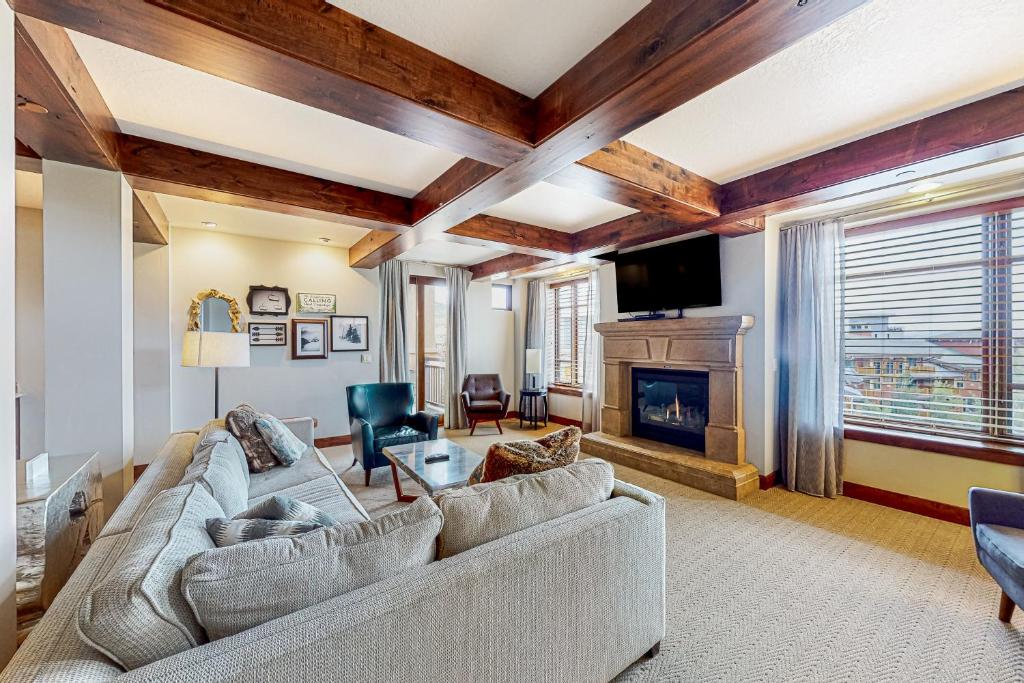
(674, 463)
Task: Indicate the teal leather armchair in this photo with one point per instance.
(384, 415)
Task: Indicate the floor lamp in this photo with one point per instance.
(215, 350)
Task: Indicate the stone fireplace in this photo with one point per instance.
(673, 401)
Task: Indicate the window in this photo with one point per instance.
(501, 297)
(567, 320)
(933, 322)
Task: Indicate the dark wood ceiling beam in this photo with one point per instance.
(26, 159)
(311, 52)
(170, 169)
(973, 133)
(508, 265)
(669, 53)
(76, 126)
(149, 223)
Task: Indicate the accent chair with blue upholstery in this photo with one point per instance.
(384, 415)
(997, 522)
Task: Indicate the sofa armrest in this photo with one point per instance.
(423, 422)
(992, 506)
(301, 427)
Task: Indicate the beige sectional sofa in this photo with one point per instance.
(575, 598)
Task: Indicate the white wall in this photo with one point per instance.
(152, 349)
(491, 336)
(29, 365)
(8, 536)
(275, 383)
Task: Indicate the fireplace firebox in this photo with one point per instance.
(670, 406)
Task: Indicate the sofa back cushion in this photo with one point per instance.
(136, 613)
(214, 432)
(238, 587)
(479, 514)
(219, 469)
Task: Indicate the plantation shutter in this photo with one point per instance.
(933, 325)
(567, 320)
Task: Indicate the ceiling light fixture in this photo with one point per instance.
(325, 240)
(30, 106)
(500, 276)
(209, 224)
(926, 186)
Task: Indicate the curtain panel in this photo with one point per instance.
(593, 365)
(811, 358)
(533, 337)
(394, 282)
(457, 280)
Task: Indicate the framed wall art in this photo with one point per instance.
(350, 333)
(263, 300)
(316, 303)
(267, 334)
(309, 339)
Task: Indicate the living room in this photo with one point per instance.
(670, 340)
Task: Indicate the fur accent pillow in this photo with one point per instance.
(285, 446)
(225, 532)
(557, 449)
(286, 509)
(241, 422)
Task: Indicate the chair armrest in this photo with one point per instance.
(465, 400)
(991, 506)
(423, 422)
(362, 438)
(301, 427)
(504, 397)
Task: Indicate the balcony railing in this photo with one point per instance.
(435, 379)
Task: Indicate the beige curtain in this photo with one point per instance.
(394, 283)
(457, 280)
(593, 367)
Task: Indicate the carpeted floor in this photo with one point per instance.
(787, 587)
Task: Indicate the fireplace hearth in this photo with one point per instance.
(670, 406)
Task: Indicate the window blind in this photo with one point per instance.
(932, 317)
(566, 330)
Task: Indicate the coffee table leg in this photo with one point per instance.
(402, 497)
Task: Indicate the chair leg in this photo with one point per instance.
(472, 427)
(1005, 607)
(366, 476)
(498, 423)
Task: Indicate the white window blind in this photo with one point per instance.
(566, 331)
(933, 326)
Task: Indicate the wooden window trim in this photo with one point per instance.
(565, 389)
(975, 449)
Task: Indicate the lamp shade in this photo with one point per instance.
(532, 361)
(215, 350)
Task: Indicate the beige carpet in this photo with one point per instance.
(786, 587)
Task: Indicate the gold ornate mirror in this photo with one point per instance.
(214, 311)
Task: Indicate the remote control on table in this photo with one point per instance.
(439, 457)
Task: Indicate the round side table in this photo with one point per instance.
(531, 398)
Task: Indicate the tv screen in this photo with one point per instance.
(684, 274)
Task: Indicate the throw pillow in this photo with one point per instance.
(285, 446)
(236, 588)
(287, 509)
(557, 449)
(225, 532)
(241, 422)
(479, 514)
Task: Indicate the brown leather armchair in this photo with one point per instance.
(484, 399)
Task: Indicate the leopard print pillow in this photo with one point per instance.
(241, 422)
(557, 449)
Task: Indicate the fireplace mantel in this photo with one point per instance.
(713, 345)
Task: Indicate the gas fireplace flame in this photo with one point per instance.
(668, 411)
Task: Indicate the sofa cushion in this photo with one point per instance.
(241, 422)
(285, 446)
(236, 588)
(485, 405)
(396, 436)
(505, 459)
(312, 465)
(223, 475)
(136, 613)
(479, 514)
(214, 432)
(227, 532)
(1005, 545)
(328, 494)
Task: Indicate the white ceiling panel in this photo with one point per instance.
(450, 253)
(525, 45)
(157, 99)
(28, 189)
(887, 63)
(191, 213)
(559, 208)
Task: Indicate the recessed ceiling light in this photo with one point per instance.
(325, 240)
(500, 276)
(30, 106)
(926, 186)
(209, 224)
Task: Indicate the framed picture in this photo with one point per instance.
(309, 339)
(267, 334)
(316, 303)
(263, 300)
(350, 333)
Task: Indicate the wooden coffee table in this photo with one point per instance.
(433, 477)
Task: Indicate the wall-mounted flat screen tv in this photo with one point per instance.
(684, 274)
